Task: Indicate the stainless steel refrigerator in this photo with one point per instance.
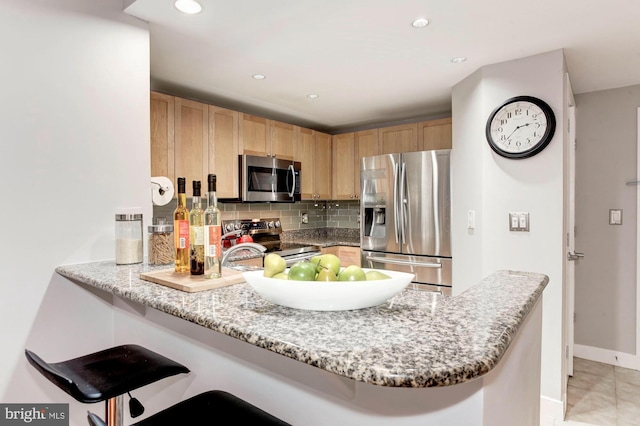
(405, 215)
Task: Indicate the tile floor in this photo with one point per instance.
(602, 394)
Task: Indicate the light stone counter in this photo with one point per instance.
(416, 340)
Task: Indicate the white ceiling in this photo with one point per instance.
(364, 59)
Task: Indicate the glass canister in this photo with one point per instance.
(161, 251)
(128, 239)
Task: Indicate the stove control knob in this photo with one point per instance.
(229, 227)
(270, 224)
(237, 226)
(277, 224)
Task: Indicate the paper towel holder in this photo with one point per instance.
(161, 190)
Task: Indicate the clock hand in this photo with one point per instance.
(517, 127)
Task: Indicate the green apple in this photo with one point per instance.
(281, 276)
(376, 275)
(302, 271)
(326, 274)
(327, 260)
(273, 264)
(352, 273)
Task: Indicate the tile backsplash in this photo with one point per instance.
(320, 214)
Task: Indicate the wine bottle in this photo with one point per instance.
(181, 229)
(213, 233)
(196, 232)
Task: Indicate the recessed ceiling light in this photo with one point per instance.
(313, 96)
(258, 77)
(190, 7)
(458, 60)
(420, 23)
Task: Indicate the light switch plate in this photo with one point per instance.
(615, 216)
(519, 221)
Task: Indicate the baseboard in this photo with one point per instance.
(620, 359)
(550, 411)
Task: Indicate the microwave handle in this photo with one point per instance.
(293, 179)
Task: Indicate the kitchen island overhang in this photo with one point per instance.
(418, 339)
(418, 359)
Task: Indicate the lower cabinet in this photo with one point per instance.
(254, 261)
(348, 255)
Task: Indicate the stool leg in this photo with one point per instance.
(113, 412)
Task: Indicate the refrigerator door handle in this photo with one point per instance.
(403, 262)
(396, 204)
(403, 203)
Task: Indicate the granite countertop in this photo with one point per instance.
(417, 339)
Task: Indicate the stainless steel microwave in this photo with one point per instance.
(269, 179)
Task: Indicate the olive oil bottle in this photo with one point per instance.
(181, 230)
(196, 232)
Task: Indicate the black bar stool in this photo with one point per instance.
(212, 407)
(107, 374)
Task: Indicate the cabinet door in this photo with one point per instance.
(255, 135)
(304, 152)
(162, 136)
(322, 162)
(191, 141)
(224, 148)
(343, 159)
(282, 136)
(402, 138)
(435, 134)
(367, 144)
(348, 255)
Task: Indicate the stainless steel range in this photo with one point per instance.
(267, 232)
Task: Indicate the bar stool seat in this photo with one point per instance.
(212, 407)
(107, 374)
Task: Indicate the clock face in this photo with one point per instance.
(521, 127)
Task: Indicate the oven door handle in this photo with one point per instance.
(404, 262)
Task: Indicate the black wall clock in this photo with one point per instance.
(521, 127)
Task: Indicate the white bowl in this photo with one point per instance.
(328, 296)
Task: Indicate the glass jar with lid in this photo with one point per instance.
(129, 239)
(160, 247)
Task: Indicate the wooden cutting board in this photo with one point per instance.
(192, 283)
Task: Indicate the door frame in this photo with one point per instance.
(569, 239)
(637, 356)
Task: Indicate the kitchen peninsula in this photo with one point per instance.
(421, 358)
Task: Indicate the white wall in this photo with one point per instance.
(75, 129)
(493, 186)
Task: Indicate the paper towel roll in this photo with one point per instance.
(161, 190)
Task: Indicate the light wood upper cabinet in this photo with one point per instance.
(403, 138)
(162, 135)
(224, 142)
(348, 150)
(343, 160)
(367, 144)
(304, 152)
(191, 142)
(282, 137)
(434, 134)
(263, 137)
(323, 166)
(313, 151)
(255, 135)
